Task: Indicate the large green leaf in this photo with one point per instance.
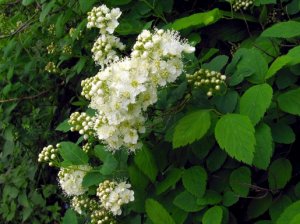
(289, 214)
(278, 207)
(291, 58)
(109, 162)
(70, 217)
(259, 206)
(73, 154)
(287, 29)
(187, 202)
(282, 133)
(289, 102)
(213, 215)
(240, 181)
(157, 213)
(194, 180)
(255, 101)
(146, 163)
(235, 134)
(264, 146)
(197, 20)
(86, 5)
(191, 127)
(172, 177)
(280, 172)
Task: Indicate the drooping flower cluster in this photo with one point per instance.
(113, 195)
(103, 18)
(70, 179)
(49, 154)
(103, 49)
(207, 80)
(122, 92)
(241, 4)
(82, 123)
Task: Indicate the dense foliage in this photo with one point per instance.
(214, 138)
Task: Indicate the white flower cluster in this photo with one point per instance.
(82, 123)
(241, 4)
(101, 216)
(70, 179)
(103, 18)
(113, 195)
(49, 154)
(123, 91)
(206, 79)
(103, 49)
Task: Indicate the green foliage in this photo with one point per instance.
(213, 215)
(287, 29)
(194, 180)
(288, 102)
(280, 172)
(72, 154)
(157, 212)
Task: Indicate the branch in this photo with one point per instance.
(24, 97)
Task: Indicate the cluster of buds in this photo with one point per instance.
(208, 80)
(103, 18)
(51, 48)
(87, 86)
(276, 15)
(51, 29)
(82, 203)
(101, 216)
(51, 67)
(241, 4)
(67, 49)
(49, 154)
(103, 49)
(113, 195)
(234, 48)
(74, 35)
(82, 123)
(87, 147)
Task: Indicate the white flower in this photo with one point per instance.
(70, 179)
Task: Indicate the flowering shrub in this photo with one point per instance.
(165, 111)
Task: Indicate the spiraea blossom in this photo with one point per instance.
(113, 195)
(103, 49)
(103, 18)
(70, 179)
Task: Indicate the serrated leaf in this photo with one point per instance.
(235, 134)
(240, 181)
(213, 215)
(73, 154)
(289, 213)
(187, 202)
(287, 29)
(173, 176)
(157, 213)
(263, 147)
(259, 206)
(255, 101)
(146, 163)
(289, 101)
(191, 127)
(279, 174)
(194, 180)
(197, 20)
(64, 126)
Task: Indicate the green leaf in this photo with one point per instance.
(289, 214)
(278, 207)
(289, 101)
(92, 179)
(194, 180)
(137, 178)
(64, 126)
(240, 181)
(46, 10)
(210, 198)
(118, 2)
(287, 29)
(172, 177)
(146, 163)
(291, 58)
(264, 146)
(264, 2)
(197, 20)
(191, 127)
(229, 198)
(69, 217)
(187, 202)
(235, 134)
(213, 215)
(73, 154)
(280, 172)
(85, 6)
(255, 101)
(226, 103)
(217, 63)
(157, 213)
(259, 206)
(282, 133)
(216, 159)
(27, 2)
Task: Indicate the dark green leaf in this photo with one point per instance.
(280, 172)
(240, 181)
(289, 101)
(157, 213)
(194, 180)
(259, 206)
(187, 202)
(289, 213)
(172, 177)
(213, 215)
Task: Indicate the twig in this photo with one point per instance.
(24, 97)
